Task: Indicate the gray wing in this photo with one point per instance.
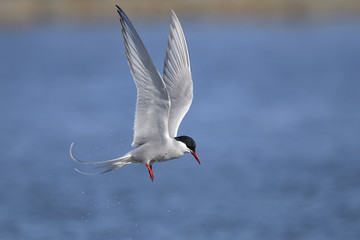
(153, 103)
(177, 75)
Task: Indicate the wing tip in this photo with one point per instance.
(121, 13)
(119, 9)
(174, 16)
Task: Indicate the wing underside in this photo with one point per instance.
(153, 103)
(177, 75)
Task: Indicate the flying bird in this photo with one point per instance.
(162, 101)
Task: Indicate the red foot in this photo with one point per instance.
(150, 171)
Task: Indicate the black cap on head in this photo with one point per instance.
(189, 142)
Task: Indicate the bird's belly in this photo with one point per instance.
(149, 153)
(166, 157)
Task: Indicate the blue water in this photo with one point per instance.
(275, 116)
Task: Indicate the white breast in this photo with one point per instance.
(159, 151)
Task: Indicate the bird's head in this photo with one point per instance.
(190, 144)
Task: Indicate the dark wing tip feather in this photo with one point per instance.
(121, 13)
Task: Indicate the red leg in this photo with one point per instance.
(150, 171)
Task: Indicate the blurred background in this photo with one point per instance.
(25, 12)
(275, 117)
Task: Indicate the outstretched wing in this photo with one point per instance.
(177, 75)
(153, 103)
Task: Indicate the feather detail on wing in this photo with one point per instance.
(153, 102)
(177, 75)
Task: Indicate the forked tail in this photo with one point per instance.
(108, 165)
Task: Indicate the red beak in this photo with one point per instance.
(196, 156)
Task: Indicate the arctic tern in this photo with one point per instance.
(162, 101)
